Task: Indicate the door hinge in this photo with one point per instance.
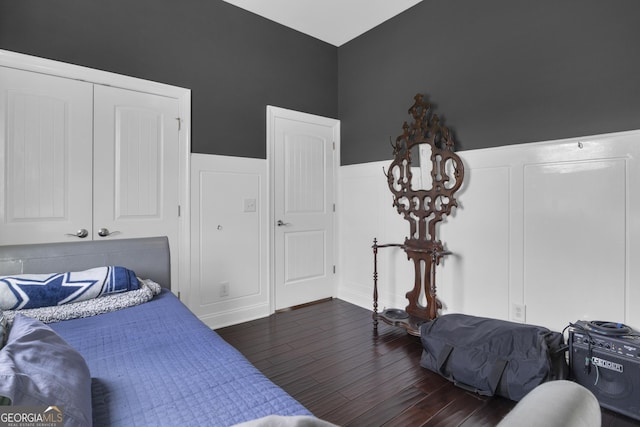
(334, 269)
(334, 146)
(334, 207)
(179, 212)
(178, 294)
(179, 122)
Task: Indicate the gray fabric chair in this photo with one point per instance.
(556, 404)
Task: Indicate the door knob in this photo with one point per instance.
(104, 232)
(280, 223)
(82, 233)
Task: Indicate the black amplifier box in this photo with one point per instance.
(606, 360)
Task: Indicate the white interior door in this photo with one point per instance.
(303, 170)
(136, 165)
(46, 153)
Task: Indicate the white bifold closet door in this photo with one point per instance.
(135, 164)
(46, 149)
(85, 161)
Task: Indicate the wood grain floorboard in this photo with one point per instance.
(327, 357)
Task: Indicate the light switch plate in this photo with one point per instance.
(249, 205)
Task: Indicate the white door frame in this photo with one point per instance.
(277, 112)
(183, 95)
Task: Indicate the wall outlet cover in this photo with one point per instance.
(518, 312)
(224, 289)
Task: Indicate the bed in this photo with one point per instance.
(153, 363)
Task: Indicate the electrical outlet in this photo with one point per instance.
(519, 312)
(224, 289)
(249, 205)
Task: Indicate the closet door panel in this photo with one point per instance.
(46, 149)
(136, 164)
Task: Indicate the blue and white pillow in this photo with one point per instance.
(44, 290)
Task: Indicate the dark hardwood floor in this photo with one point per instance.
(326, 356)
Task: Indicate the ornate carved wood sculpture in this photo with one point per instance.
(424, 207)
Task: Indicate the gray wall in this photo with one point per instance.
(497, 71)
(234, 62)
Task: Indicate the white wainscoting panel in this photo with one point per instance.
(478, 283)
(229, 238)
(365, 211)
(575, 234)
(546, 233)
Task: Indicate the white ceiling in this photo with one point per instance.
(333, 21)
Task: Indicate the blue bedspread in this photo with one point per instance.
(156, 364)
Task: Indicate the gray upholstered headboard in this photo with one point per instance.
(149, 257)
